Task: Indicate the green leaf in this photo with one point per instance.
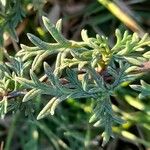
(131, 69)
(3, 107)
(73, 78)
(93, 118)
(147, 55)
(118, 120)
(84, 36)
(54, 81)
(136, 87)
(85, 82)
(99, 123)
(98, 78)
(27, 48)
(50, 107)
(133, 61)
(43, 45)
(145, 85)
(26, 82)
(34, 78)
(106, 137)
(31, 94)
(54, 32)
(144, 38)
(87, 40)
(39, 58)
(59, 25)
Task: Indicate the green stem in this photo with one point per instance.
(1, 54)
(11, 131)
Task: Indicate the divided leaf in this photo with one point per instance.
(54, 32)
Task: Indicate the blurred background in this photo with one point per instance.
(69, 128)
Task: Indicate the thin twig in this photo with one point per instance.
(144, 67)
(2, 145)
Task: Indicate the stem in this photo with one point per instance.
(1, 54)
(15, 45)
(2, 145)
(11, 131)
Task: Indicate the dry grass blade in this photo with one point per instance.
(122, 16)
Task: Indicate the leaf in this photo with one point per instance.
(119, 36)
(27, 56)
(139, 49)
(77, 55)
(147, 54)
(113, 72)
(27, 48)
(43, 45)
(135, 37)
(31, 94)
(50, 74)
(131, 69)
(118, 120)
(137, 104)
(98, 78)
(85, 82)
(3, 107)
(26, 82)
(106, 137)
(50, 107)
(59, 25)
(144, 88)
(133, 61)
(75, 94)
(145, 85)
(5, 69)
(34, 78)
(99, 123)
(88, 40)
(136, 87)
(46, 110)
(93, 118)
(84, 36)
(122, 52)
(54, 32)
(3, 2)
(144, 38)
(73, 78)
(39, 58)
